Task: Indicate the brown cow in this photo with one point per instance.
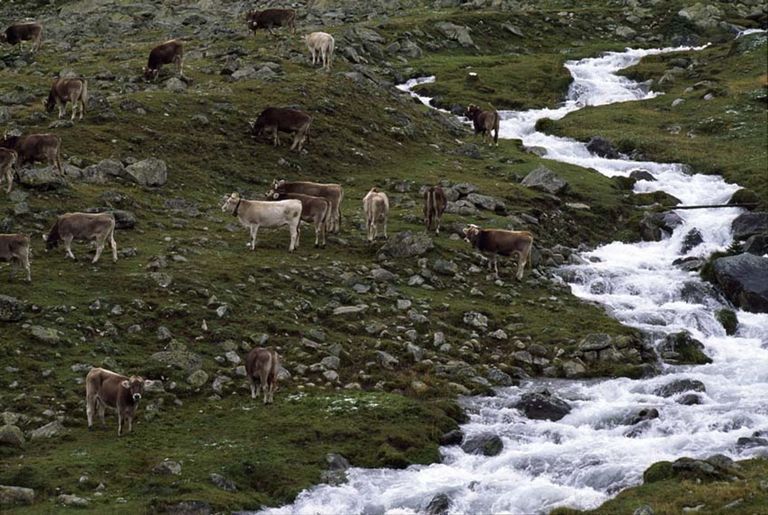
(435, 203)
(104, 388)
(68, 90)
(264, 364)
(278, 119)
(500, 241)
(484, 122)
(15, 248)
(269, 18)
(21, 32)
(35, 147)
(314, 210)
(83, 226)
(333, 193)
(8, 159)
(169, 52)
(376, 209)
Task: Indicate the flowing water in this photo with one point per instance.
(585, 458)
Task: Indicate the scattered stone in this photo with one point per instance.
(198, 378)
(407, 244)
(222, 482)
(544, 179)
(149, 172)
(16, 495)
(72, 501)
(11, 435)
(50, 430)
(11, 309)
(680, 386)
(386, 360)
(167, 468)
(456, 33)
(475, 319)
(350, 311)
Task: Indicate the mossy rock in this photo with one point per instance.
(657, 197)
(658, 472)
(728, 319)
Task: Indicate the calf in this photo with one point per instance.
(277, 119)
(8, 159)
(376, 209)
(435, 203)
(104, 388)
(333, 193)
(484, 122)
(35, 147)
(501, 242)
(321, 46)
(21, 32)
(169, 52)
(68, 90)
(15, 248)
(314, 210)
(269, 18)
(262, 364)
(83, 226)
(254, 214)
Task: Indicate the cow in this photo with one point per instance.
(255, 213)
(321, 46)
(8, 158)
(262, 364)
(435, 203)
(376, 209)
(170, 52)
(68, 90)
(501, 242)
(484, 122)
(333, 193)
(104, 388)
(269, 18)
(83, 226)
(18, 33)
(35, 147)
(16, 249)
(314, 210)
(277, 119)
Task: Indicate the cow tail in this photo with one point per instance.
(54, 237)
(528, 257)
(496, 127)
(84, 96)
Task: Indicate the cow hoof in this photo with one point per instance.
(90, 428)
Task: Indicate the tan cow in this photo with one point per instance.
(314, 210)
(16, 249)
(501, 242)
(262, 364)
(83, 226)
(333, 193)
(435, 203)
(484, 123)
(106, 389)
(68, 90)
(254, 214)
(376, 209)
(321, 46)
(35, 148)
(8, 158)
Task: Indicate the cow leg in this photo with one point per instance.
(496, 266)
(294, 230)
(130, 424)
(254, 232)
(119, 423)
(90, 406)
(68, 247)
(102, 410)
(9, 177)
(113, 244)
(520, 265)
(25, 262)
(99, 248)
(253, 386)
(263, 375)
(317, 233)
(385, 229)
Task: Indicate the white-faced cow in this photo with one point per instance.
(16, 249)
(106, 389)
(18, 33)
(8, 159)
(376, 209)
(170, 52)
(321, 46)
(35, 148)
(98, 227)
(65, 91)
(262, 365)
(484, 122)
(273, 120)
(333, 193)
(253, 214)
(496, 242)
(314, 210)
(435, 203)
(269, 18)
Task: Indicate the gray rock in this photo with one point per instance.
(175, 84)
(749, 224)
(331, 362)
(11, 435)
(103, 171)
(11, 309)
(222, 482)
(499, 378)
(407, 244)
(756, 244)
(221, 383)
(445, 267)
(335, 474)
(198, 378)
(645, 509)
(167, 468)
(350, 311)
(45, 335)
(41, 178)
(439, 505)
(181, 359)
(16, 495)
(485, 444)
(544, 179)
(452, 437)
(456, 33)
(380, 274)
(692, 240)
(149, 172)
(744, 280)
(72, 501)
(475, 319)
(487, 202)
(542, 405)
(50, 430)
(680, 386)
(704, 16)
(386, 360)
(682, 349)
(640, 416)
(655, 226)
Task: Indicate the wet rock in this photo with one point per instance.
(689, 264)
(602, 147)
(439, 505)
(167, 468)
(544, 179)
(747, 442)
(453, 437)
(407, 244)
(728, 319)
(689, 399)
(682, 349)
(756, 244)
(745, 196)
(499, 378)
(680, 386)
(16, 496)
(485, 444)
(222, 482)
(11, 309)
(640, 416)
(336, 473)
(642, 175)
(744, 281)
(692, 240)
(12, 436)
(655, 226)
(149, 172)
(749, 224)
(542, 405)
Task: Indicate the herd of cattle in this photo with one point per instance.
(287, 203)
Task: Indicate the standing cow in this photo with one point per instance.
(376, 209)
(435, 203)
(170, 52)
(262, 364)
(18, 33)
(68, 90)
(83, 226)
(8, 159)
(333, 193)
(277, 119)
(269, 18)
(254, 214)
(16, 249)
(35, 147)
(484, 122)
(104, 388)
(314, 210)
(495, 242)
(321, 46)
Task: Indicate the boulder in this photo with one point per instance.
(542, 405)
(745, 196)
(704, 16)
(149, 172)
(680, 386)
(692, 240)
(336, 473)
(728, 319)
(642, 175)
(453, 437)
(11, 435)
(487, 203)
(16, 495)
(655, 226)
(72, 501)
(749, 224)
(407, 244)
(50, 430)
(181, 359)
(103, 171)
(744, 280)
(439, 505)
(456, 33)
(45, 335)
(756, 244)
(41, 178)
(544, 179)
(602, 147)
(222, 482)
(640, 416)
(11, 309)
(485, 444)
(682, 349)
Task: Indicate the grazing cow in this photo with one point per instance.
(15, 248)
(277, 119)
(68, 90)
(484, 122)
(35, 147)
(21, 32)
(500, 241)
(262, 364)
(269, 18)
(435, 203)
(167, 53)
(376, 209)
(321, 46)
(83, 226)
(8, 159)
(104, 388)
(254, 214)
(314, 210)
(333, 193)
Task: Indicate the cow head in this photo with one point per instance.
(272, 195)
(49, 103)
(470, 233)
(231, 202)
(278, 186)
(472, 111)
(150, 73)
(3, 37)
(135, 386)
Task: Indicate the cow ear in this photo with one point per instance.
(45, 237)
(125, 384)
